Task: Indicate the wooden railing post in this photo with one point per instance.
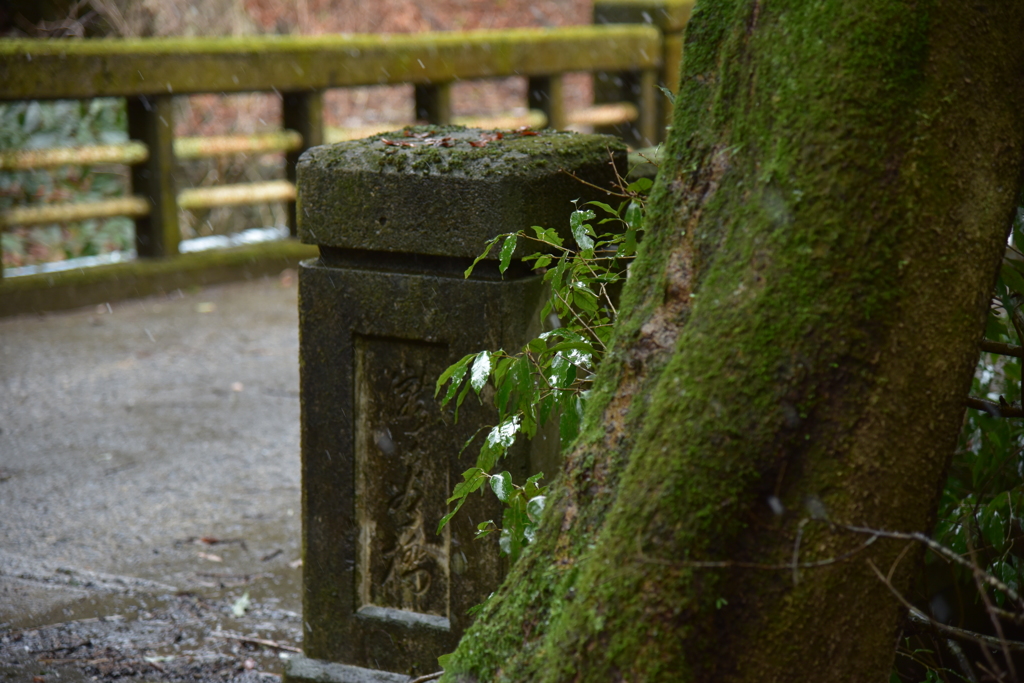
(547, 94)
(151, 121)
(434, 103)
(303, 112)
(641, 88)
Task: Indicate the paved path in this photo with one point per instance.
(132, 432)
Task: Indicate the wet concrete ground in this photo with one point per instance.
(149, 481)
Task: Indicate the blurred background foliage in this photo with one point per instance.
(65, 123)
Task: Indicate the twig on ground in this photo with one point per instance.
(63, 647)
(429, 677)
(256, 641)
(243, 578)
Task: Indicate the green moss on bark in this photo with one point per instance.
(785, 336)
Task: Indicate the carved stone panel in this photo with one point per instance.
(402, 477)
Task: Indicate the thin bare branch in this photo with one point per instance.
(1002, 349)
(919, 617)
(993, 408)
(913, 610)
(603, 189)
(727, 564)
(938, 549)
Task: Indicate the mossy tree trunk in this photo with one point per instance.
(802, 325)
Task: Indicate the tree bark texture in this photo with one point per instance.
(802, 325)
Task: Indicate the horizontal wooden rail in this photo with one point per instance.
(605, 115)
(74, 211)
(49, 69)
(223, 145)
(27, 159)
(130, 153)
(196, 198)
(233, 195)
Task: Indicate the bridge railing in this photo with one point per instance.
(150, 72)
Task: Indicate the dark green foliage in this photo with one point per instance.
(551, 376)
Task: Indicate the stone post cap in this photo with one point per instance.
(447, 190)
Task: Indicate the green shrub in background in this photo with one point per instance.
(63, 123)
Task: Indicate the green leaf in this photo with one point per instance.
(481, 371)
(473, 479)
(604, 206)
(501, 484)
(635, 216)
(505, 256)
(583, 346)
(545, 408)
(531, 489)
(585, 299)
(504, 434)
(453, 387)
(1012, 277)
(569, 424)
(524, 380)
(497, 442)
(640, 185)
(542, 262)
(559, 372)
(581, 231)
(458, 368)
(529, 423)
(482, 256)
(488, 456)
(461, 398)
(547, 235)
(628, 246)
(535, 508)
(537, 345)
(557, 274)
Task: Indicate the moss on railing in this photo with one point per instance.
(39, 69)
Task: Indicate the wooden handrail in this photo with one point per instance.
(131, 153)
(46, 69)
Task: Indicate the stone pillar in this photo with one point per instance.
(385, 309)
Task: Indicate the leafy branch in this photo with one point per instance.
(550, 377)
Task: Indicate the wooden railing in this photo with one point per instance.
(150, 72)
